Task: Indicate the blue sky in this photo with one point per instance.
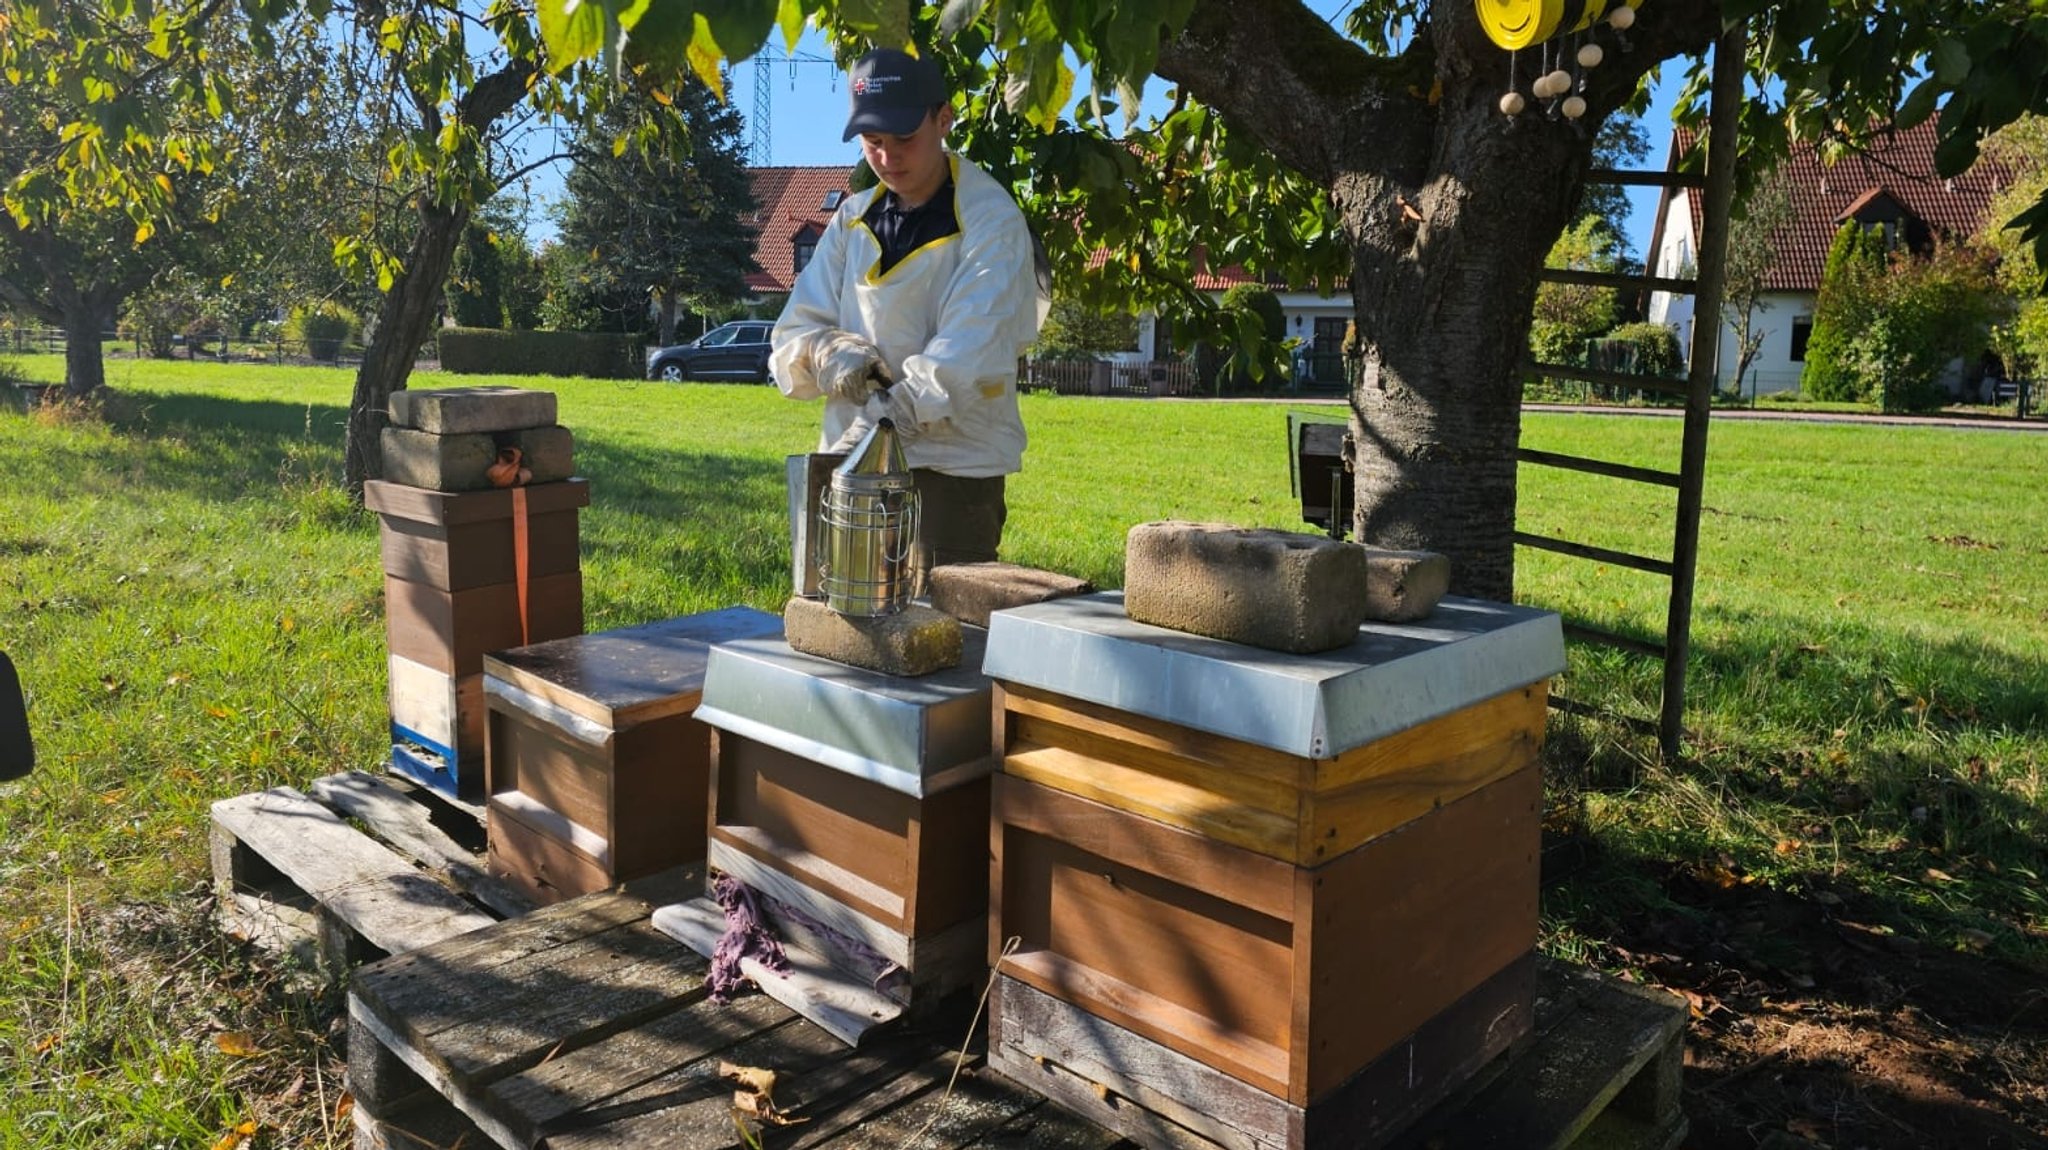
(808, 111)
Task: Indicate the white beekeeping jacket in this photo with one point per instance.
(950, 318)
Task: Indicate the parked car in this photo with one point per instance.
(737, 350)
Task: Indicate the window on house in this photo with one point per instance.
(804, 250)
(1802, 330)
(832, 199)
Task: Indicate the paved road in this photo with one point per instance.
(2034, 425)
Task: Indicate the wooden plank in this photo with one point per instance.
(380, 896)
(690, 1107)
(1404, 926)
(813, 886)
(532, 1102)
(576, 1000)
(1190, 806)
(547, 866)
(452, 507)
(857, 825)
(461, 556)
(846, 1007)
(1136, 1008)
(1599, 554)
(451, 630)
(947, 840)
(1409, 774)
(977, 1105)
(1190, 1093)
(630, 674)
(406, 825)
(1048, 1127)
(1257, 882)
(1106, 1108)
(565, 775)
(470, 980)
(661, 793)
(1604, 467)
(1259, 775)
(1593, 1044)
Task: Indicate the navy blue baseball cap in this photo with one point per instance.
(892, 92)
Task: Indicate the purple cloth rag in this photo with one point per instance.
(746, 936)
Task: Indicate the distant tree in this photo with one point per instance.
(476, 287)
(1074, 330)
(1567, 315)
(2021, 333)
(1925, 313)
(1845, 306)
(75, 262)
(1752, 251)
(1621, 143)
(668, 223)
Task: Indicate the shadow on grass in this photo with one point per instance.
(692, 519)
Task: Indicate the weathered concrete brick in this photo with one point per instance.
(462, 462)
(915, 641)
(438, 462)
(462, 410)
(1404, 585)
(970, 592)
(1281, 590)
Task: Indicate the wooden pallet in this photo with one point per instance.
(354, 868)
(580, 1026)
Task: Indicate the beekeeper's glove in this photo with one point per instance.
(850, 367)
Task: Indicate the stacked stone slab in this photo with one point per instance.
(469, 567)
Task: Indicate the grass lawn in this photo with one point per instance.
(195, 607)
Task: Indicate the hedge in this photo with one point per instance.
(490, 351)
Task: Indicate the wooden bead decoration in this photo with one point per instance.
(1590, 56)
(1512, 104)
(1574, 107)
(1622, 17)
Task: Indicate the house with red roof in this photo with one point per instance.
(1892, 186)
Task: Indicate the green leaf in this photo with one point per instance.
(958, 14)
(738, 27)
(789, 16)
(703, 56)
(886, 22)
(1919, 104)
(1951, 61)
(572, 29)
(660, 37)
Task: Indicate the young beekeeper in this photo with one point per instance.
(933, 283)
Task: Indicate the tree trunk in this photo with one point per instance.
(85, 371)
(408, 312)
(666, 330)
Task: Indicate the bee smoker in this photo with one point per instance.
(869, 519)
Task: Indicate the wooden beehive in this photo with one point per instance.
(1293, 874)
(466, 573)
(598, 770)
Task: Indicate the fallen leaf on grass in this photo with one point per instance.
(239, 1043)
(1975, 939)
(236, 1136)
(1787, 846)
(1940, 875)
(112, 684)
(344, 1106)
(48, 1044)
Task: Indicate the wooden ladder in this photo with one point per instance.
(1717, 184)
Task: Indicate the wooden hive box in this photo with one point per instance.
(1284, 868)
(598, 769)
(466, 573)
(859, 800)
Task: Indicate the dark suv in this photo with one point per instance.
(737, 350)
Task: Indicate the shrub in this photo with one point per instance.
(1928, 313)
(1845, 307)
(1076, 331)
(1641, 349)
(491, 351)
(325, 327)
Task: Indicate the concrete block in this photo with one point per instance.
(1401, 586)
(915, 641)
(462, 462)
(970, 592)
(463, 410)
(1281, 590)
(438, 462)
